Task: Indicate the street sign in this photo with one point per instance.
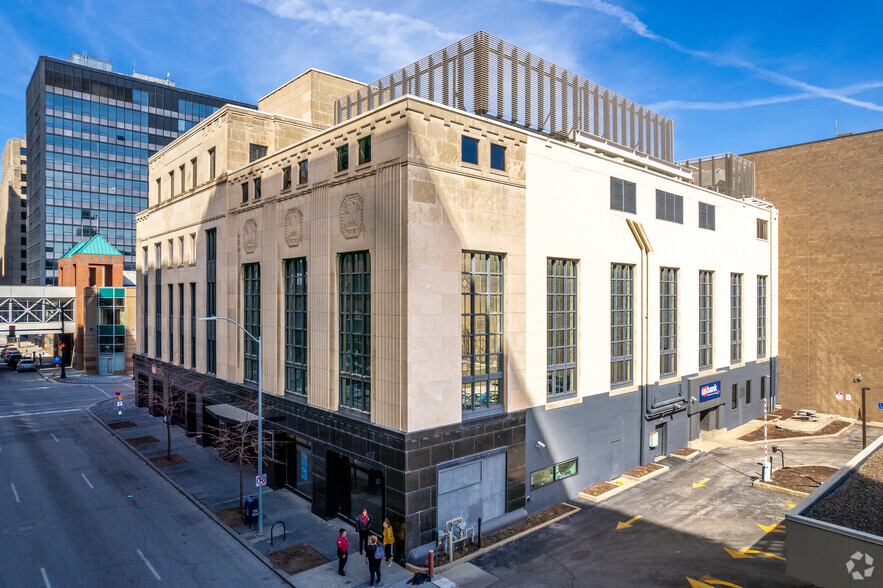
(119, 403)
(57, 360)
(260, 480)
(880, 405)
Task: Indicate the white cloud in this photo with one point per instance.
(737, 104)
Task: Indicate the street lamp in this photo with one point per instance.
(260, 417)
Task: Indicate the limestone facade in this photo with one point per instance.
(13, 212)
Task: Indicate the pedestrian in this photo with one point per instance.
(363, 528)
(343, 547)
(388, 540)
(374, 555)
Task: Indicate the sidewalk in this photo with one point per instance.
(214, 484)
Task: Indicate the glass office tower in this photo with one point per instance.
(90, 132)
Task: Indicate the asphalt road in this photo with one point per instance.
(77, 508)
(679, 528)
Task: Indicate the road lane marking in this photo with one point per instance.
(772, 528)
(150, 567)
(24, 414)
(627, 524)
(14, 492)
(45, 577)
(709, 582)
(701, 484)
(87, 481)
(100, 390)
(54, 437)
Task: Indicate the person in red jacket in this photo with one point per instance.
(363, 528)
(342, 547)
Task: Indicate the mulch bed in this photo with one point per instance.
(232, 517)
(782, 413)
(685, 452)
(774, 432)
(858, 502)
(600, 488)
(297, 558)
(164, 461)
(801, 478)
(641, 471)
(139, 441)
(122, 425)
(530, 522)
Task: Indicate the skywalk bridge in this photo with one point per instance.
(34, 310)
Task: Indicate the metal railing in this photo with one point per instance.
(727, 173)
(485, 75)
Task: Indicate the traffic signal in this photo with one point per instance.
(12, 330)
(63, 345)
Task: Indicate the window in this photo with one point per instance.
(761, 317)
(211, 308)
(286, 177)
(171, 253)
(211, 163)
(343, 158)
(355, 331)
(257, 188)
(469, 150)
(748, 392)
(171, 323)
(296, 325)
(763, 229)
(193, 325)
(255, 152)
(244, 192)
(735, 318)
(158, 302)
(181, 323)
(303, 172)
(560, 327)
(145, 311)
(251, 310)
(669, 207)
(498, 157)
(181, 171)
(621, 299)
(481, 330)
(706, 310)
(763, 387)
(734, 398)
(668, 321)
(181, 250)
(364, 150)
(553, 473)
(192, 247)
(706, 216)
(172, 184)
(158, 189)
(622, 195)
(193, 172)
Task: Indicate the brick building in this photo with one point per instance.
(831, 269)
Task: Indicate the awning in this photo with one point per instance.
(231, 414)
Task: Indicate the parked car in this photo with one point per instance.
(26, 364)
(6, 350)
(13, 357)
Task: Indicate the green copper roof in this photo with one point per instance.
(94, 246)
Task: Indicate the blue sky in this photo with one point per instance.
(735, 76)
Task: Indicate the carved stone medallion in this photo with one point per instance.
(294, 227)
(352, 221)
(250, 236)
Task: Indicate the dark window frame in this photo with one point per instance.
(706, 216)
(761, 316)
(498, 157)
(669, 207)
(482, 333)
(286, 177)
(622, 339)
(251, 320)
(343, 157)
(469, 154)
(706, 319)
(561, 328)
(554, 473)
(364, 150)
(211, 300)
(623, 195)
(303, 172)
(296, 350)
(736, 318)
(257, 188)
(668, 321)
(354, 315)
(256, 152)
(244, 186)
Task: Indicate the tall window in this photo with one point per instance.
(193, 325)
(669, 207)
(735, 318)
(706, 216)
(560, 327)
(257, 188)
(482, 330)
(734, 397)
(193, 172)
(364, 149)
(761, 317)
(668, 321)
(244, 192)
(706, 315)
(763, 229)
(172, 184)
(622, 195)
(181, 323)
(183, 183)
(158, 302)
(251, 308)
(171, 323)
(621, 332)
(286, 177)
(355, 330)
(296, 325)
(303, 172)
(145, 311)
(211, 303)
(343, 158)
(748, 392)
(211, 165)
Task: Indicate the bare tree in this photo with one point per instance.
(172, 405)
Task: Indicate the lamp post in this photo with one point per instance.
(260, 417)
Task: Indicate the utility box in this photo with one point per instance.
(654, 439)
(250, 509)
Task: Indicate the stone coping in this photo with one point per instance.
(662, 469)
(764, 486)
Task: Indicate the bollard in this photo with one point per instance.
(479, 532)
(431, 562)
(767, 468)
(450, 546)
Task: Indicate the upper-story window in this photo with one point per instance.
(255, 152)
(172, 184)
(561, 333)
(621, 323)
(735, 318)
(343, 158)
(303, 172)
(763, 229)
(257, 188)
(286, 177)
(365, 150)
(244, 192)
(706, 318)
(183, 184)
(469, 150)
(668, 321)
(622, 195)
(481, 330)
(669, 207)
(193, 173)
(211, 163)
(706, 216)
(498, 157)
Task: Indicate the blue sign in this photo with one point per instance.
(304, 466)
(57, 360)
(709, 391)
(880, 405)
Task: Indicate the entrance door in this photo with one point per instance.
(662, 430)
(105, 365)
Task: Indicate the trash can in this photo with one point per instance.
(250, 509)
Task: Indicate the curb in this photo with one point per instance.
(779, 489)
(842, 431)
(189, 496)
(483, 550)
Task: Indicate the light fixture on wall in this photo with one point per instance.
(540, 445)
(858, 378)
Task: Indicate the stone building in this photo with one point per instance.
(464, 309)
(831, 273)
(13, 213)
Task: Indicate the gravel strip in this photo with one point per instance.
(858, 502)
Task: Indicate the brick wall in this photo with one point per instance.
(830, 270)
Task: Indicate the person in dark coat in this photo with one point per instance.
(374, 554)
(343, 547)
(363, 528)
